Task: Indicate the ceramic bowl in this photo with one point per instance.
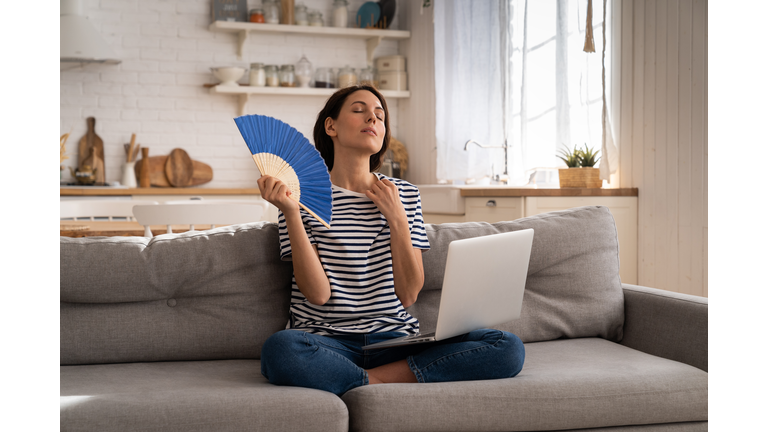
(228, 75)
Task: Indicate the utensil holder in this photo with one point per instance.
(129, 176)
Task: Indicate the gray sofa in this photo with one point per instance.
(165, 334)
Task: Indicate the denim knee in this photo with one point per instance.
(513, 354)
(277, 351)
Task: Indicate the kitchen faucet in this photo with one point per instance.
(505, 147)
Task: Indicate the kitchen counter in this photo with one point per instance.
(511, 191)
(117, 191)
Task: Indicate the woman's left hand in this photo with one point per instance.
(386, 196)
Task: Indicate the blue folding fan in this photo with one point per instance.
(281, 151)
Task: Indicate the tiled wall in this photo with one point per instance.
(157, 91)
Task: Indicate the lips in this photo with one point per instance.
(369, 130)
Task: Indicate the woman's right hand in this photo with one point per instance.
(277, 193)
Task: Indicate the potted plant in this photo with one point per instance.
(581, 171)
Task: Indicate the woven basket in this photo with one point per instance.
(582, 177)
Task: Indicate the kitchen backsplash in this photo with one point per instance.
(157, 91)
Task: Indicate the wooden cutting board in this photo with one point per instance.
(178, 168)
(201, 172)
(91, 151)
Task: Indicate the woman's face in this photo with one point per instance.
(360, 125)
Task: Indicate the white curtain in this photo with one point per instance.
(514, 72)
(467, 88)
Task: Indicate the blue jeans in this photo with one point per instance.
(337, 363)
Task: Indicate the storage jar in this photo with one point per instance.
(270, 73)
(271, 11)
(315, 19)
(324, 78)
(287, 76)
(340, 13)
(303, 72)
(347, 77)
(368, 77)
(301, 15)
(257, 15)
(257, 76)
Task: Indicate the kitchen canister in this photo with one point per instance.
(301, 15)
(271, 11)
(340, 13)
(324, 78)
(390, 63)
(347, 77)
(258, 77)
(129, 174)
(270, 73)
(315, 18)
(303, 72)
(287, 76)
(393, 80)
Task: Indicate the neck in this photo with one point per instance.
(352, 175)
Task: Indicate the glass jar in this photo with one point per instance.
(324, 78)
(367, 77)
(347, 77)
(303, 72)
(300, 15)
(315, 19)
(256, 15)
(271, 11)
(270, 76)
(287, 76)
(340, 13)
(257, 76)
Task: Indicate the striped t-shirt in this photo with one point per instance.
(356, 256)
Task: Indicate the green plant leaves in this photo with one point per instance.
(578, 157)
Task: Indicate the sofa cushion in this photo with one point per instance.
(204, 295)
(564, 384)
(573, 288)
(227, 395)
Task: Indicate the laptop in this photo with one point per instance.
(482, 287)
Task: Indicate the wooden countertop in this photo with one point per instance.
(111, 191)
(500, 191)
(466, 191)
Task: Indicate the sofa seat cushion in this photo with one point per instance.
(564, 384)
(224, 395)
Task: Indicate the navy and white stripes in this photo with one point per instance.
(357, 259)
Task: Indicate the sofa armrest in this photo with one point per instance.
(666, 324)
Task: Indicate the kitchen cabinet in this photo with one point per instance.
(493, 209)
(373, 38)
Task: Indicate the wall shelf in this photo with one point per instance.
(244, 92)
(372, 36)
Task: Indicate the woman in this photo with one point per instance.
(352, 283)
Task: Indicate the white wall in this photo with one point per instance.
(663, 138)
(157, 91)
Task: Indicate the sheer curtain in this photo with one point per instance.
(514, 72)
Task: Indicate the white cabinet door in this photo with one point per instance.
(493, 209)
(624, 211)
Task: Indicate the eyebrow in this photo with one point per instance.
(361, 102)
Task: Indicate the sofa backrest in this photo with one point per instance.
(573, 288)
(220, 294)
(203, 295)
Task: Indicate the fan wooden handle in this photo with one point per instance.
(319, 219)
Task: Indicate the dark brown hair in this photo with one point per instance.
(324, 143)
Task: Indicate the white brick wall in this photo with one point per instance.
(157, 91)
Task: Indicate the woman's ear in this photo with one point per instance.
(330, 128)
